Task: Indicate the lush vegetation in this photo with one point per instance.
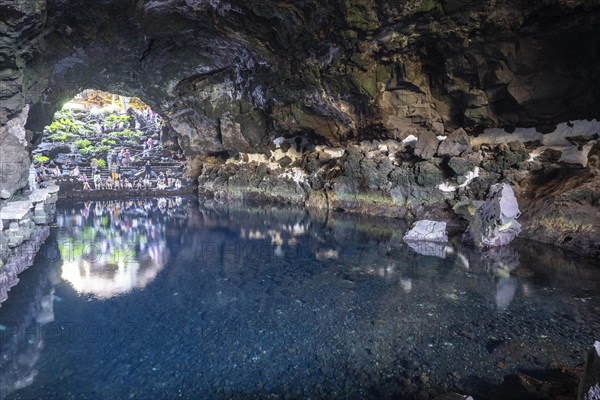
(82, 143)
(100, 162)
(115, 119)
(126, 133)
(108, 142)
(64, 125)
(40, 159)
(62, 137)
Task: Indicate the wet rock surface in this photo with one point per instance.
(24, 228)
(495, 221)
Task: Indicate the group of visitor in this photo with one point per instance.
(164, 180)
(122, 158)
(148, 179)
(116, 182)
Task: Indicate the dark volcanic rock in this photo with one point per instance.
(232, 76)
(455, 144)
(589, 388)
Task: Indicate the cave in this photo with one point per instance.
(375, 199)
(102, 144)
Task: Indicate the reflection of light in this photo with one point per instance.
(328, 254)
(505, 292)
(256, 235)
(278, 251)
(406, 285)
(105, 279)
(463, 260)
(275, 237)
(46, 313)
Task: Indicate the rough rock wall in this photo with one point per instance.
(229, 77)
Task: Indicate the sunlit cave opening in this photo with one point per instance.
(104, 143)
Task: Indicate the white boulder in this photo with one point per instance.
(427, 231)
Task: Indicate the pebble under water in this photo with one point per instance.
(162, 300)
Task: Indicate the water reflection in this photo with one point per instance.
(109, 248)
(260, 303)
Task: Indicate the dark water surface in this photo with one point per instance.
(144, 300)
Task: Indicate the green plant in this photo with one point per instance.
(87, 150)
(65, 125)
(103, 148)
(95, 150)
(108, 142)
(62, 137)
(82, 143)
(114, 118)
(63, 114)
(40, 159)
(126, 133)
(101, 163)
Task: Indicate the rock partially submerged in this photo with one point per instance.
(427, 231)
(495, 221)
(589, 388)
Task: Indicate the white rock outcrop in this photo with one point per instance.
(495, 221)
(427, 231)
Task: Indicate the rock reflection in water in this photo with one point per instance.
(109, 248)
(24, 316)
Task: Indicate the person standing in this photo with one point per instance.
(147, 170)
(97, 179)
(126, 157)
(114, 171)
(109, 159)
(169, 177)
(94, 165)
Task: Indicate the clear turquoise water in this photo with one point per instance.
(133, 300)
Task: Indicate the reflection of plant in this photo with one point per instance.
(40, 159)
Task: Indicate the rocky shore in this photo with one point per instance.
(440, 178)
(24, 222)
